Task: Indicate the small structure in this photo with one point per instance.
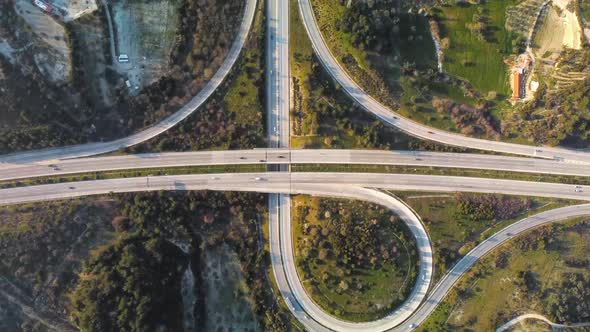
(516, 79)
(520, 70)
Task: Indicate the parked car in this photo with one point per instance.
(123, 58)
(43, 5)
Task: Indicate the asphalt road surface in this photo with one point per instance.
(10, 171)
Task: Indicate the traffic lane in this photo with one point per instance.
(285, 156)
(442, 183)
(281, 182)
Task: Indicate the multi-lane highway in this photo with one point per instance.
(349, 185)
(91, 149)
(11, 171)
(278, 128)
(413, 128)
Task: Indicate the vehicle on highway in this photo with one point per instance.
(242, 157)
(43, 5)
(412, 326)
(430, 132)
(258, 179)
(72, 187)
(578, 189)
(123, 58)
(282, 157)
(214, 178)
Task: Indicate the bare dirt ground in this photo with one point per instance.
(91, 58)
(551, 34)
(53, 56)
(572, 30)
(145, 31)
(73, 9)
(228, 309)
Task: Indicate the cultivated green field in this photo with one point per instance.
(244, 97)
(479, 62)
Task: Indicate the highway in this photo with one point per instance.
(13, 171)
(413, 128)
(348, 185)
(278, 133)
(91, 149)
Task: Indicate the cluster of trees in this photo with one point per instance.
(356, 235)
(569, 300)
(140, 273)
(490, 207)
(132, 285)
(373, 25)
(478, 25)
(470, 120)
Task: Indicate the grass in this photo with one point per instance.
(452, 233)
(383, 287)
(479, 62)
(585, 9)
(489, 295)
(327, 13)
(315, 96)
(244, 97)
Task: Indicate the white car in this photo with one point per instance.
(123, 58)
(46, 7)
(258, 179)
(578, 189)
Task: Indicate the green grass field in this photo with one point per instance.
(491, 294)
(585, 9)
(479, 62)
(383, 288)
(244, 97)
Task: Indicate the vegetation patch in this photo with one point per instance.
(140, 253)
(457, 222)
(357, 260)
(544, 271)
(323, 116)
(233, 117)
